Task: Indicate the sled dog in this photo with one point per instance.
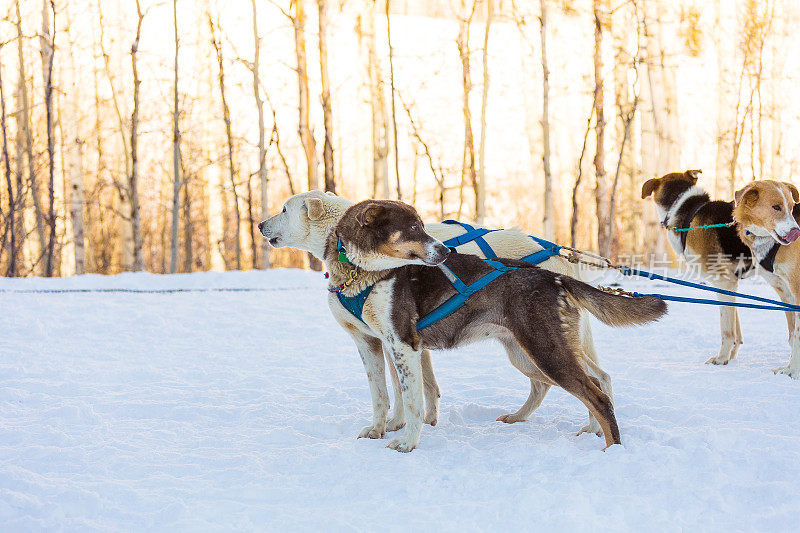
(307, 219)
(766, 214)
(534, 313)
(720, 253)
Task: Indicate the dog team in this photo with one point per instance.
(400, 292)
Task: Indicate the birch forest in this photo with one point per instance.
(155, 134)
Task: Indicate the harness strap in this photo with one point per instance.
(464, 291)
(549, 250)
(355, 304)
(768, 263)
(472, 234)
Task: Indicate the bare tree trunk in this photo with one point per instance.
(226, 117)
(252, 225)
(76, 206)
(304, 128)
(394, 113)
(121, 185)
(188, 228)
(602, 189)
(133, 179)
(26, 121)
(480, 193)
(380, 148)
(327, 114)
(176, 154)
(10, 227)
(549, 226)
(468, 173)
(304, 124)
(262, 148)
(47, 50)
(573, 223)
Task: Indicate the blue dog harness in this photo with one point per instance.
(355, 304)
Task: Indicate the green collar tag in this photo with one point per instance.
(343, 258)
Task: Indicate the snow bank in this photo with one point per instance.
(239, 411)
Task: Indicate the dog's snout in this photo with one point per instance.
(442, 250)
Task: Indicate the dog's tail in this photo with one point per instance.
(613, 309)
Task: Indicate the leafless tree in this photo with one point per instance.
(226, 117)
(10, 217)
(468, 172)
(47, 49)
(262, 148)
(28, 133)
(480, 193)
(602, 189)
(133, 179)
(327, 113)
(393, 93)
(176, 153)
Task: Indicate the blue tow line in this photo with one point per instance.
(775, 305)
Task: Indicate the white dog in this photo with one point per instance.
(307, 220)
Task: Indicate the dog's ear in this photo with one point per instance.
(648, 187)
(369, 214)
(330, 193)
(693, 174)
(793, 191)
(315, 208)
(746, 195)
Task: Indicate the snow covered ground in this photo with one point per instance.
(238, 411)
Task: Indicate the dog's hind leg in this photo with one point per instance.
(538, 391)
(559, 360)
(371, 352)
(587, 345)
(431, 388)
(521, 362)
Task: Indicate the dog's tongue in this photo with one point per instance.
(792, 235)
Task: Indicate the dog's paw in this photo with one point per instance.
(402, 444)
(718, 360)
(431, 418)
(372, 432)
(592, 427)
(793, 373)
(395, 423)
(511, 418)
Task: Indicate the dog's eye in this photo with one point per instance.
(414, 227)
(284, 209)
(776, 207)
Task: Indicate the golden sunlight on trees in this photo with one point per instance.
(155, 135)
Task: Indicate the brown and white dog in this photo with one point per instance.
(306, 221)
(721, 255)
(767, 214)
(533, 313)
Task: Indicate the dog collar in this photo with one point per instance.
(342, 252)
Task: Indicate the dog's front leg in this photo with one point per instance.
(728, 324)
(409, 369)
(398, 419)
(371, 352)
(793, 368)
